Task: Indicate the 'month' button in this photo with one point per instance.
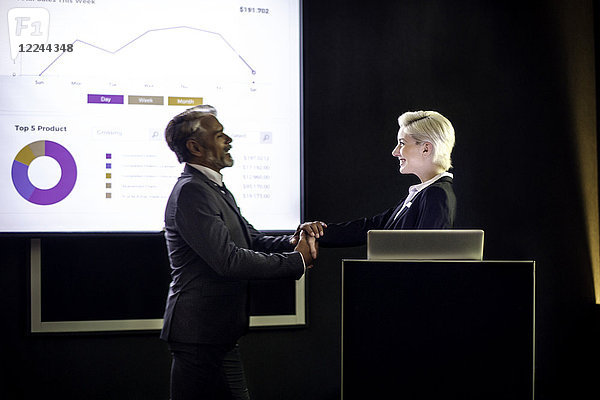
(185, 101)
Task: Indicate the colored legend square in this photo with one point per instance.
(109, 185)
(108, 176)
(108, 165)
(108, 156)
(108, 195)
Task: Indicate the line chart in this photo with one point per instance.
(220, 36)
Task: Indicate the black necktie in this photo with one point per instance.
(226, 193)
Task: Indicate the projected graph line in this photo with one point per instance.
(145, 33)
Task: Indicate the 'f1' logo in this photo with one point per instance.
(27, 26)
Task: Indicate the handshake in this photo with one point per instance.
(305, 240)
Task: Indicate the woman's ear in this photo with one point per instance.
(427, 150)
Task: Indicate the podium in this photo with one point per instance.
(438, 330)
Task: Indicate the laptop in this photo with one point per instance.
(437, 244)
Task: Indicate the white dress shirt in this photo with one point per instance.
(211, 174)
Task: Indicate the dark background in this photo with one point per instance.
(511, 76)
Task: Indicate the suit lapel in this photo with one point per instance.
(229, 199)
(393, 222)
(227, 196)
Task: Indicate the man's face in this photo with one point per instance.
(216, 144)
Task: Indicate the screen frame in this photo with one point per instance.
(37, 325)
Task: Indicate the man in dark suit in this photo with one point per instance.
(425, 142)
(213, 252)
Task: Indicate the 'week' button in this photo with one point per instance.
(150, 100)
(105, 98)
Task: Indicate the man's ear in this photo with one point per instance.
(194, 148)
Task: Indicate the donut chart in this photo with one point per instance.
(20, 168)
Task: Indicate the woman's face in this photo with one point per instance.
(409, 154)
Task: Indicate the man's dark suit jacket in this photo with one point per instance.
(432, 208)
(213, 251)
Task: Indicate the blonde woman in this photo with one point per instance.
(424, 147)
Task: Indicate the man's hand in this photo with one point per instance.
(308, 247)
(314, 229)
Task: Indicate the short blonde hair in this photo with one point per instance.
(432, 127)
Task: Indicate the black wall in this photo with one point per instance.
(498, 71)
